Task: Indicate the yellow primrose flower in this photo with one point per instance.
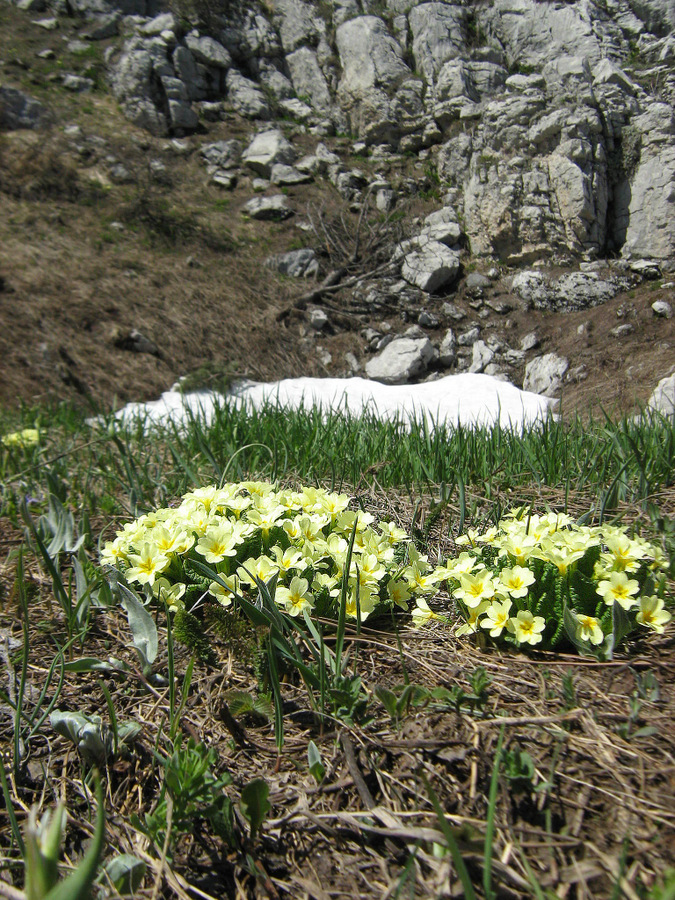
(399, 593)
(224, 594)
(626, 554)
(497, 617)
(472, 623)
(519, 546)
(620, 589)
(421, 580)
(207, 498)
(392, 533)
(322, 580)
(422, 614)
(516, 581)
(238, 504)
(265, 517)
(332, 504)
(262, 568)
(370, 568)
(296, 597)
(171, 541)
(588, 629)
(287, 559)
(217, 543)
(27, 437)
(473, 589)
(561, 557)
(147, 564)
(526, 628)
(114, 552)
(471, 537)
(170, 593)
(345, 521)
(652, 614)
(367, 600)
(465, 563)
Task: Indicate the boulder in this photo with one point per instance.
(447, 353)
(134, 84)
(544, 374)
(401, 360)
(430, 266)
(266, 149)
(437, 36)
(481, 356)
(19, 110)
(246, 97)
(372, 69)
(295, 263)
(282, 174)
(222, 154)
(208, 51)
(272, 209)
(662, 400)
(308, 78)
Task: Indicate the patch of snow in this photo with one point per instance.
(469, 400)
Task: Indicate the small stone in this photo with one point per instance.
(622, 330)
(452, 312)
(427, 320)
(529, 342)
(318, 319)
(663, 309)
(481, 356)
(469, 337)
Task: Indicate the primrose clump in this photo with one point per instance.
(220, 540)
(545, 581)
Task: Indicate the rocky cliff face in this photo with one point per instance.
(550, 124)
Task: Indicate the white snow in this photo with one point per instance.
(468, 400)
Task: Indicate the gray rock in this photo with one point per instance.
(447, 233)
(481, 356)
(622, 330)
(529, 342)
(246, 97)
(103, 27)
(222, 154)
(452, 312)
(662, 400)
(288, 175)
(318, 319)
(133, 80)
(447, 354)
(208, 51)
(401, 360)
(19, 110)
(266, 149)
(437, 36)
(295, 263)
(468, 338)
(49, 24)
(78, 84)
(427, 319)
(476, 283)
(273, 208)
(372, 69)
(430, 266)
(308, 78)
(296, 109)
(544, 374)
(663, 309)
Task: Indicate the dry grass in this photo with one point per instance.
(585, 803)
